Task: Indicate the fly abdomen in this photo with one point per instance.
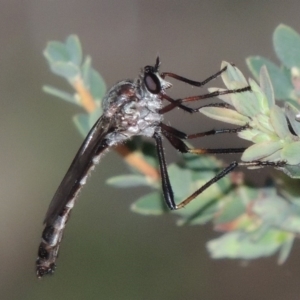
(51, 238)
(45, 263)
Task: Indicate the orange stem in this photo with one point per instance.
(135, 160)
(85, 96)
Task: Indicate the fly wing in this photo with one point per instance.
(93, 145)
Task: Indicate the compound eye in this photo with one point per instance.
(148, 69)
(152, 83)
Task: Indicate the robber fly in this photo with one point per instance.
(130, 108)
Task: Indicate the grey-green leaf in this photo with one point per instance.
(60, 94)
(292, 171)
(98, 86)
(150, 204)
(282, 84)
(238, 244)
(291, 112)
(93, 80)
(279, 123)
(287, 44)
(286, 248)
(82, 123)
(56, 52)
(65, 69)
(128, 180)
(266, 85)
(85, 70)
(74, 49)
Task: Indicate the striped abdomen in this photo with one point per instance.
(64, 199)
(51, 238)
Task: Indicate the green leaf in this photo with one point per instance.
(201, 216)
(181, 180)
(279, 123)
(261, 150)
(150, 204)
(282, 84)
(291, 113)
(232, 74)
(266, 86)
(65, 69)
(271, 208)
(74, 49)
(82, 123)
(292, 221)
(93, 80)
(60, 94)
(249, 134)
(286, 248)
(98, 86)
(95, 115)
(287, 44)
(225, 115)
(86, 71)
(261, 138)
(277, 212)
(202, 163)
(129, 180)
(261, 103)
(262, 123)
(204, 204)
(291, 153)
(235, 204)
(226, 98)
(56, 52)
(292, 171)
(245, 103)
(240, 245)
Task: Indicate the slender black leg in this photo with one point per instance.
(224, 172)
(174, 103)
(192, 82)
(174, 136)
(217, 131)
(219, 176)
(166, 185)
(181, 135)
(178, 102)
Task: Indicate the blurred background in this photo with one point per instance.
(109, 252)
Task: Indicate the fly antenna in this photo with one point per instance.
(157, 63)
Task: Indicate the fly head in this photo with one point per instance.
(152, 79)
